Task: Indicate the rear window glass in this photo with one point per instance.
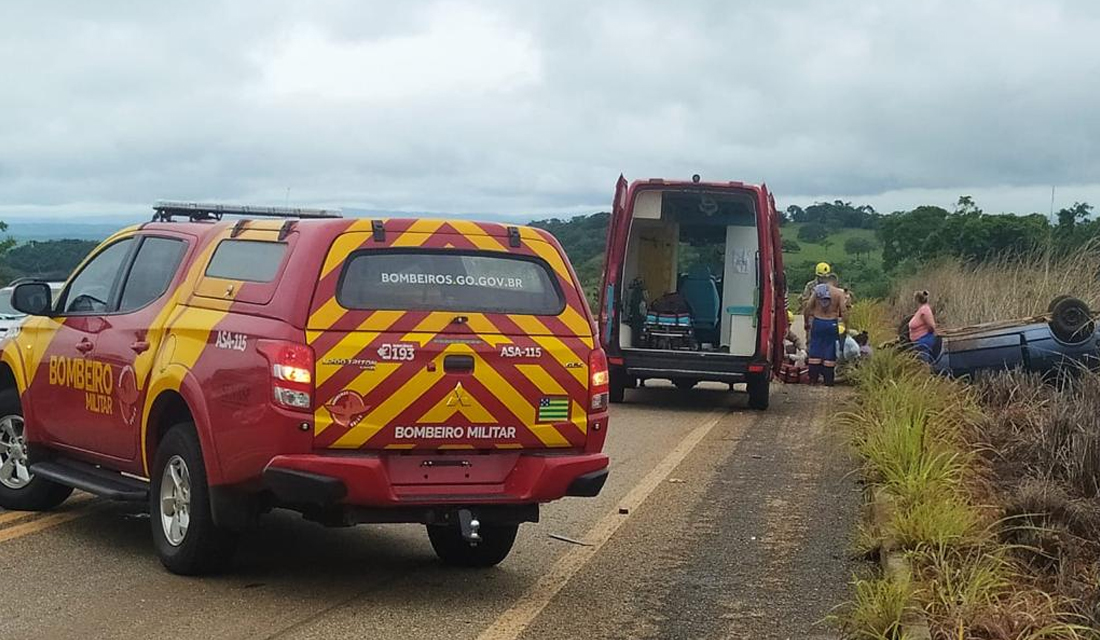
(247, 260)
(449, 281)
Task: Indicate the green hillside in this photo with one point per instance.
(863, 272)
(832, 250)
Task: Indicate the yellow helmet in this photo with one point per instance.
(823, 269)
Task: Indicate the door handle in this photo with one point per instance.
(84, 346)
(140, 346)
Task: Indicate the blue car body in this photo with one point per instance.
(1031, 346)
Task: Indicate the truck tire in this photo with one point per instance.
(759, 388)
(21, 490)
(616, 387)
(1071, 321)
(186, 539)
(495, 545)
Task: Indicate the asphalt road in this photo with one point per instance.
(737, 524)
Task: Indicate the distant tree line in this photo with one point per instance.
(833, 215)
(967, 232)
(48, 259)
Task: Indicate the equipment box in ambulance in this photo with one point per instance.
(693, 287)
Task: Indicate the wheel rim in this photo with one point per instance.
(175, 500)
(14, 472)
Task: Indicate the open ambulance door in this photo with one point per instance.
(614, 252)
(779, 285)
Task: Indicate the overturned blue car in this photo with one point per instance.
(1062, 340)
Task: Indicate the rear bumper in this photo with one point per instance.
(365, 480)
(696, 365)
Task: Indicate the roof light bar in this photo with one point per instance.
(165, 210)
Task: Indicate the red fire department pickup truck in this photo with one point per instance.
(423, 371)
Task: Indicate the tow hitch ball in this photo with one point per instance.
(469, 526)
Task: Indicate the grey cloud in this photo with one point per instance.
(536, 107)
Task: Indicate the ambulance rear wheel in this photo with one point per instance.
(759, 389)
(493, 547)
(21, 490)
(616, 391)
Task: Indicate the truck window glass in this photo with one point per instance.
(449, 281)
(154, 266)
(91, 290)
(247, 260)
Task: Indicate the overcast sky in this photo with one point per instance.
(524, 108)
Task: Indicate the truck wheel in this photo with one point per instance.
(186, 539)
(616, 388)
(1071, 320)
(759, 388)
(1054, 303)
(20, 490)
(495, 544)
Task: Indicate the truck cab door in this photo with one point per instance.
(73, 390)
(611, 291)
(130, 345)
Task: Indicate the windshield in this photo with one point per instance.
(6, 310)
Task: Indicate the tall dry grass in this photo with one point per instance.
(872, 316)
(1014, 286)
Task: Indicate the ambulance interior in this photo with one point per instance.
(690, 273)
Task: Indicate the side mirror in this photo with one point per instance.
(32, 298)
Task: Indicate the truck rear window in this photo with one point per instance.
(448, 281)
(247, 260)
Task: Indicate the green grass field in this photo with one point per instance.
(833, 251)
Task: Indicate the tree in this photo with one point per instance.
(796, 214)
(7, 274)
(842, 215)
(859, 247)
(1069, 218)
(790, 246)
(813, 232)
(967, 207)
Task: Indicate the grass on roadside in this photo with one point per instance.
(870, 316)
(922, 439)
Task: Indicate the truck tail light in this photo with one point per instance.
(291, 373)
(598, 379)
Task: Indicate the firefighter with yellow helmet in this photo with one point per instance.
(821, 272)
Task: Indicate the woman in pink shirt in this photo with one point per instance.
(922, 327)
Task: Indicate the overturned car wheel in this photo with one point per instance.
(1071, 320)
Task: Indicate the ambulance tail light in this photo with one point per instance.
(291, 373)
(598, 380)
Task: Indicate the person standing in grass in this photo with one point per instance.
(823, 311)
(922, 327)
